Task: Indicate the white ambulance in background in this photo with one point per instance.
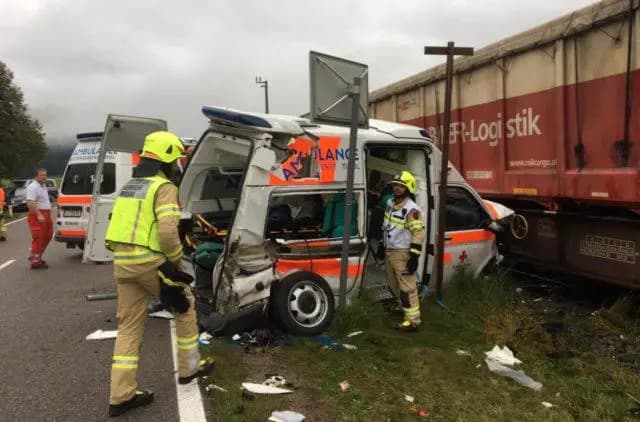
(76, 189)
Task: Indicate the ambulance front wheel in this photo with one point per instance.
(303, 303)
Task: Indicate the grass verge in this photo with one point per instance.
(577, 358)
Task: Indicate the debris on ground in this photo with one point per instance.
(328, 343)
(538, 299)
(419, 411)
(161, 314)
(355, 333)
(205, 338)
(547, 404)
(344, 385)
(215, 387)
(275, 381)
(102, 335)
(461, 352)
(262, 337)
(503, 356)
(409, 398)
(518, 376)
(263, 389)
(349, 346)
(498, 361)
(286, 416)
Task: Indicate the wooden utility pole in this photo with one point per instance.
(450, 50)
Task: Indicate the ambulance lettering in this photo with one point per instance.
(296, 169)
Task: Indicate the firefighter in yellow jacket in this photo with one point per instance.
(403, 234)
(143, 235)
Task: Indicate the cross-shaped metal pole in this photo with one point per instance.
(450, 50)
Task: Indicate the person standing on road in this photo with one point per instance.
(39, 218)
(143, 235)
(3, 229)
(403, 233)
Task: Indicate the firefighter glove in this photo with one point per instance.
(414, 256)
(173, 283)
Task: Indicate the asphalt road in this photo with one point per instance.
(48, 371)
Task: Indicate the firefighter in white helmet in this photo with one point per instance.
(403, 233)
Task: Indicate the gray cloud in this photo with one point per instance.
(79, 60)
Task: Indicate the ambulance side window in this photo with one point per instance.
(309, 216)
(463, 210)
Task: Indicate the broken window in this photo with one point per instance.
(463, 210)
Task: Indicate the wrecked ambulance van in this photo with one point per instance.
(263, 199)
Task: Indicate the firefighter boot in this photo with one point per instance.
(206, 367)
(141, 398)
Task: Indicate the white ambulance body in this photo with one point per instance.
(77, 186)
(262, 186)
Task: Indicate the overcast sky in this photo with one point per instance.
(79, 60)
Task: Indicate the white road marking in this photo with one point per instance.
(15, 221)
(6, 264)
(190, 405)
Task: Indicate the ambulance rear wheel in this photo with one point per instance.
(303, 303)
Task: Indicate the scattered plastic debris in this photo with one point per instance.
(275, 381)
(286, 416)
(419, 411)
(235, 337)
(102, 335)
(461, 352)
(328, 343)
(409, 398)
(518, 376)
(344, 385)
(161, 314)
(205, 338)
(496, 360)
(215, 387)
(263, 389)
(349, 346)
(547, 404)
(503, 356)
(478, 365)
(355, 333)
(538, 299)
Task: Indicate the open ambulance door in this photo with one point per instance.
(121, 134)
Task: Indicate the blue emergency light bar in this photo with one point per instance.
(88, 135)
(234, 117)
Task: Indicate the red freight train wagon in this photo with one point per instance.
(548, 123)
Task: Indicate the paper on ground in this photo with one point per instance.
(264, 389)
(161, 314)
(503, 356)
(461, 352)
(547, 404)
(518, 376)
(286, 416)
(102, 335)
(355, 333)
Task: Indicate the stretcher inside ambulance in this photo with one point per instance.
(263, 200)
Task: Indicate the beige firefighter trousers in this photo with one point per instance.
(133, 299)
(403, 285)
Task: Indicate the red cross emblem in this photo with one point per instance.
(463, 256)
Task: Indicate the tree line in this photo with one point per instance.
(22, 144)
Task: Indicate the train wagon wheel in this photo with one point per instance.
(519, 226)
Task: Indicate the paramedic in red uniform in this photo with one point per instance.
(39, 218)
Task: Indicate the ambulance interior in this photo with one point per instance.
(382, 164)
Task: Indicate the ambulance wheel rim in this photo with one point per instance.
(308, 304)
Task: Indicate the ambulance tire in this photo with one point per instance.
(303, 303)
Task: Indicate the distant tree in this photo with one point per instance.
(21, 136)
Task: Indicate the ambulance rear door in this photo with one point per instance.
(122, 134)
